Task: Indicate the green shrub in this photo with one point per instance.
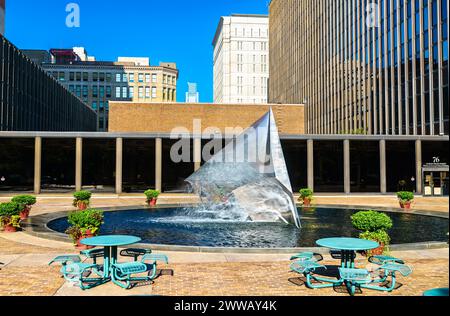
(81, 196)
(371, 221)
(306, 193)
(27, 200)
(380, 236)
(152, 194)
(405, 196)
(86, 220)
(9, 214)
(10, 209)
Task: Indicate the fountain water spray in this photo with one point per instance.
(248, 179)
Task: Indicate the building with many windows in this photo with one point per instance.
(98, 82)
(192, 95)
(241, 59)
(362, 66)
(31, 100)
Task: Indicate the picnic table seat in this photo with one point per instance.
(135, 253)
(308, 256)
(93, 254)
(337, 254)
(381, 260)
(365, 279)
(65, 259)
(78, 273)
(123, 273)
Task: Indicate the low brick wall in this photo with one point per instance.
(164, 117)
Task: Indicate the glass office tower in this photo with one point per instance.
(362, 66)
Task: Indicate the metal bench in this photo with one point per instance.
(135, 253)
(308, 256)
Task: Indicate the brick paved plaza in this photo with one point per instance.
(24, 269)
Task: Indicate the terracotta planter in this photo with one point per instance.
(25, 213)
(378, 251)
(9, 229)
(306, 202)
(80, 246)
(406, 205)
(152, 202)
(82, 206)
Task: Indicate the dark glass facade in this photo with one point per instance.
(328, 166)
(138, 165)
(400, 166)
(175, 174)
(364, 166)
(16, 164)
(295, 154)
(32, 100)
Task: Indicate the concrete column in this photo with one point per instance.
(119, 160)
(347, 166)
(158, 164)
(37, 164)
(383, 185)
(78, 164)
(197, 153)
(419, 165)
(310, 168)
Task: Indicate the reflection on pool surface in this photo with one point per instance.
(175, 226)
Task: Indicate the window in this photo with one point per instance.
(94, 105)
(118, 77)
(125, 78)
(131, 92)
(107, 106)
(78, 91)
(124, 92)
(173, 95)
(78, 76)
(85, 76)
(164, 78)
(72, 88)
(141, 92)
(102, 92)
(62, 76)
(154, 78)
(164, 94)
(147, 77)
(95, 76)
(141, 78)
(108, 91)
(108, 77)
(132, 77)
(118, 92)
(95, 92)
(102, 77)
(153, 92)
(147, 92)
(85, 91)
(71, 76)
(101, 106)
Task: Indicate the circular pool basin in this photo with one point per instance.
(174, 226)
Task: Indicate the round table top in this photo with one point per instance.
(344, 243)
(110, 241)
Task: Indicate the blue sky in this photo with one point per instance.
(178, 31)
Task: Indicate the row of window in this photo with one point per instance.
(107, 77)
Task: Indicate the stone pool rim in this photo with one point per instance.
(37, 226)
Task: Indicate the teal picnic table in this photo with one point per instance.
(347, 246)
(110, 244)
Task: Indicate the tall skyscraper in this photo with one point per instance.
(2, 17)
(192, 96)
(241, 59)
(374, 67)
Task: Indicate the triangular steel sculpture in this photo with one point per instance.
(251, 171)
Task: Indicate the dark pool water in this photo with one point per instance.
(173, 227)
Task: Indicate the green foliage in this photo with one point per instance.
(86, 220)
(75, 233)
(81, 196)
(27, 200)
(380, 236)
(371, 221)
(10, 209)
(306, 193)
(13, 221)
(405, 196)
(152, 194)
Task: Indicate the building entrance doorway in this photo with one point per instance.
(436, 180)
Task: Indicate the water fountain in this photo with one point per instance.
(247, 180)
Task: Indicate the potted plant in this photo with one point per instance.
(306, 196)
(9, 216)
(152, 197)
(373, 226)
(27, 201)
(84, 224)
(82, 199)
(405, 198)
